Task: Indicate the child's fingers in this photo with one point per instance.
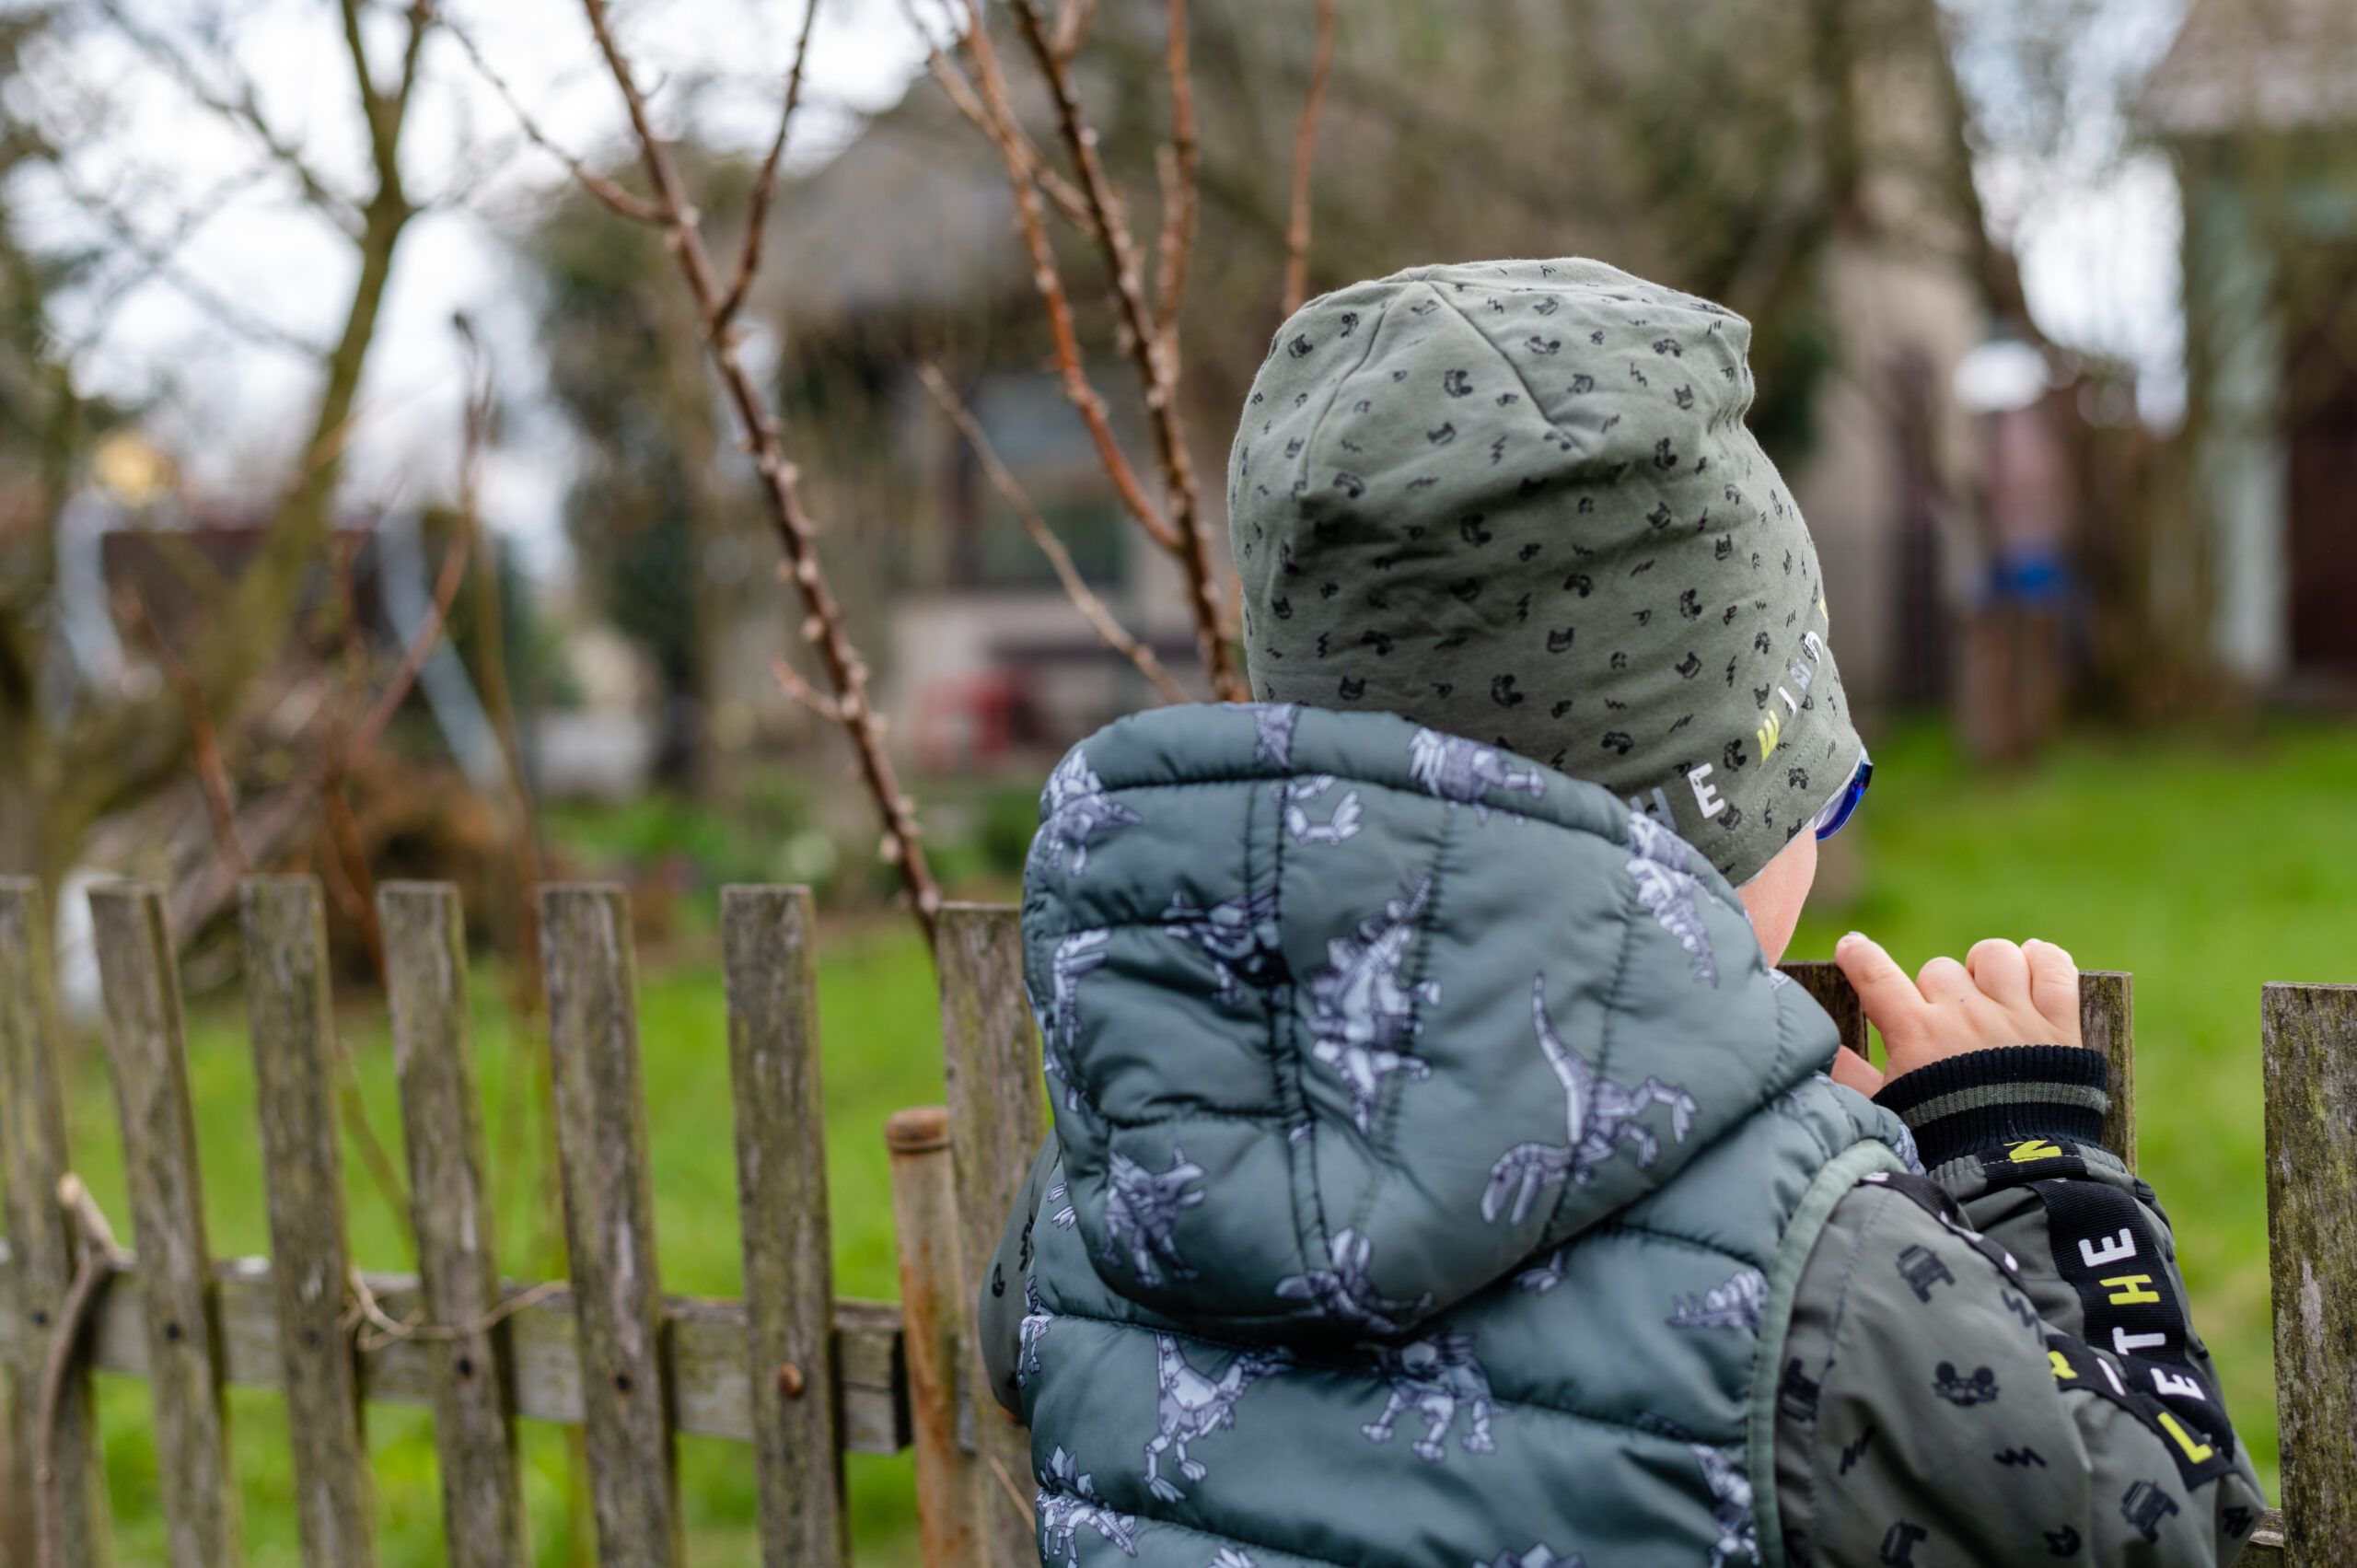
(1998, 968)
(2054, 988)
(1945, 979)
(1856, 1071)
(1889, 998)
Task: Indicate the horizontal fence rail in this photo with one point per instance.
(705, 1336)
(797, 1372)
(800, 1374)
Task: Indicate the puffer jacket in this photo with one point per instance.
(1441, 1177)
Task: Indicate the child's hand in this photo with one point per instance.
(2001, 994)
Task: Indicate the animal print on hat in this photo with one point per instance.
(1516, 502)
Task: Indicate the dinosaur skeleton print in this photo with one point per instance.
(1362, 1020)
(1298, 794)
(1730, 1484)
(1599, 1116)
(1454, 768)
(1077, 955)
(1077, 810)
(1438, 1378)
(1272, 732)
(1142, 1210)
(1345, 1291)
(1193, 1405)
(1240, 936)
(1031, 1331)
(1068, 1503)
(1539, 1556)
(1658, 865)
(1735, 1304)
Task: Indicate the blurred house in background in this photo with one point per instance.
(1816, 178)
(902, 250)
(2257, 102)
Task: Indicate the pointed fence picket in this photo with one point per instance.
(795, 1370)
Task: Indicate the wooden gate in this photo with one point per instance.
(791, 1368)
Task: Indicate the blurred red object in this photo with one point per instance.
(974, 721)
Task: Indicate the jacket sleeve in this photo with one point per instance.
(1006, 1288)
(1994, 1364)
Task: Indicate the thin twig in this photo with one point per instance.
(636, 208)
(1180, 164)
(1072, 26)
(1305, 155)
(421, 647)
(822, 624)
(491, 667)
(962, 96)
(757, 216)
(242, 106)
(802, 691)
(364, 1307)
(1028, 1510)
(353, 888)
(1115, 635)
(1047, 276)
(94, 1240)
(1156, 367)
(204, 742)
(160, 266)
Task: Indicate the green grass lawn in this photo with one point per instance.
(882, 1034)
(2205, 867)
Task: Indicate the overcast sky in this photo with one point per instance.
(2097, 235)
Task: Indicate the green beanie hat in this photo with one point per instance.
(1516, 501)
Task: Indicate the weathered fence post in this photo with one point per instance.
(2308, 1047)
(997, 1118)
(292, 1022)
(470, 1372)
(146, 1050)
(1824, 980)
(782, 1214)
(592, 973)
(33, 1145)
(953, 1486)
(2107, 1023)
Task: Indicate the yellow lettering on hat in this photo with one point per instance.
(2032, 1149)
(1769, 735)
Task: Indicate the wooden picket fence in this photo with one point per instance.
(800, 1373)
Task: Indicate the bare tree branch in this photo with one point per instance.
(1047, 277)
(1072, 30)
(421, 647)
(802, 691)
(1180, 164)
(204, 743)
(491, 668)
(635, 208)
(1158, 368)
(1115, 635)
(1304, 156)
(757, 213)
(158, 263)
(241, 105)
(962, 96)
(823, 623)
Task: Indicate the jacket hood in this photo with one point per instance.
(1344, 1018)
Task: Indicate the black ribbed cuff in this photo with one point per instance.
(1964, 1104)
